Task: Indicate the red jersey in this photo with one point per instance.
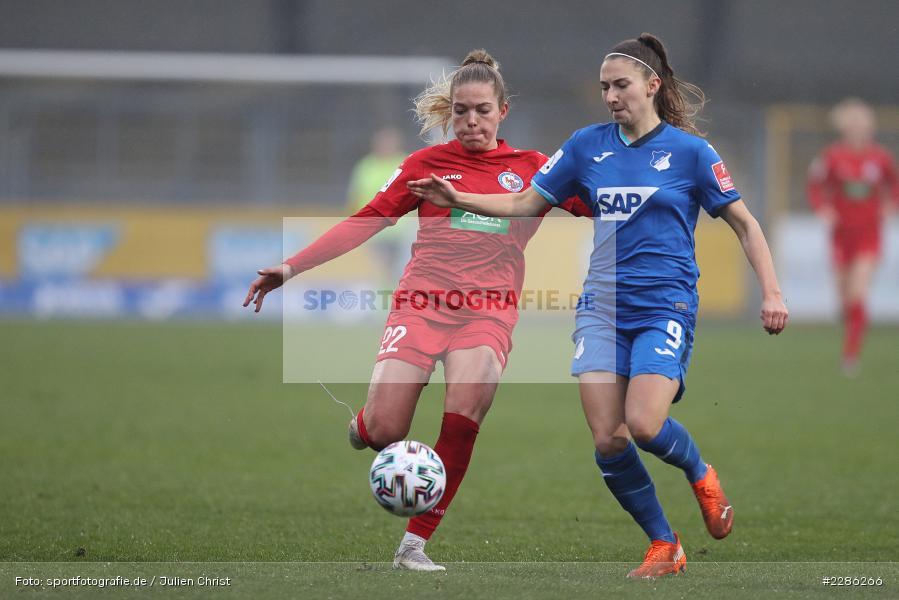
(855, 183)
(463, 265)
(467, 265)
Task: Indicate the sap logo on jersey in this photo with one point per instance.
(620, 203)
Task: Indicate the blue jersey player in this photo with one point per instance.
(646, 176)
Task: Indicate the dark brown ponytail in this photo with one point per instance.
(672, 102)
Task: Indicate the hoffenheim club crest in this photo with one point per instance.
(659, 160)
(511, 181)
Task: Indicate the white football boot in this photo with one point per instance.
(355, 439)
(411, 556)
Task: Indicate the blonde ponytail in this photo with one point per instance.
(434, 106)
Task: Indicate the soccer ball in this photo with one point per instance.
(407, 478)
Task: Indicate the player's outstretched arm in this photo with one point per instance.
(774, 312)
(527, 203)
(337, 241)
(269, 279)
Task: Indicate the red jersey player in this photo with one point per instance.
(456, 300)
(849, 186)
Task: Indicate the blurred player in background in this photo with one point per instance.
(391, 246)
(457, 260)
(645, 176)
(850, 186)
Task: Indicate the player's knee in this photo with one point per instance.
(471, 400)
(609, 445)
(643, 429)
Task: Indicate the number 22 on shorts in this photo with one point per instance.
(392, 335)
(676, 332)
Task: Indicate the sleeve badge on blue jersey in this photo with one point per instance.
(660, 160)
(548, 165)
(725, 181)
(510, 181)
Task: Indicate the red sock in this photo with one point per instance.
(454, 446)
(856, 322)
(363, 433)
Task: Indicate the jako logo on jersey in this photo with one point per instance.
(620, 203)
(452, 176)
(510, 181)
(659, 160)
(552, 161)
(391, 180)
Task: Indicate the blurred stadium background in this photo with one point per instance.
(148, 151)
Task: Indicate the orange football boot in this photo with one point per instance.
(662, 558)
(717, 512)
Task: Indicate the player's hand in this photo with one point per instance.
(269, 279)
(435, 190)
(774, 314)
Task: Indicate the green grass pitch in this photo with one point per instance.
(174, 449)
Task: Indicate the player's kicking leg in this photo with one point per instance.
(392, 396)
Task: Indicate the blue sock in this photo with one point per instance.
(674, 445)
(631, 485)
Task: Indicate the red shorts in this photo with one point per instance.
(852, 244)
(421, 342)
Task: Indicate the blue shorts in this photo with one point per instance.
(660, 346)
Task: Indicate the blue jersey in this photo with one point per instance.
(645, 199)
